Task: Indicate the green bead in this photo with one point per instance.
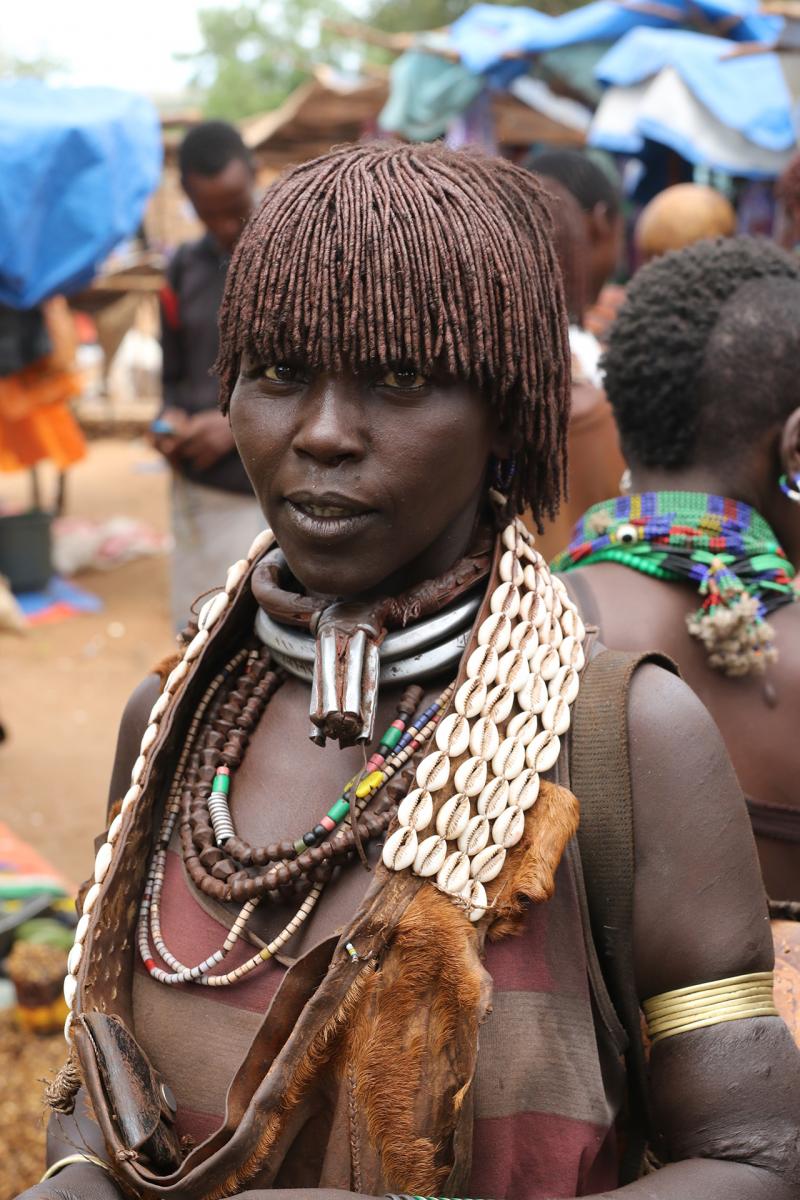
(339, 810)
(391, 737)
(300, 846)
(221, 783)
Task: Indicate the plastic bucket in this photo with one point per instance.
(25, 550)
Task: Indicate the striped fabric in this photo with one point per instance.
(548, 1084)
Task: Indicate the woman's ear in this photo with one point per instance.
(790, 446)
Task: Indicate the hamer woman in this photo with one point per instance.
(252, 1009)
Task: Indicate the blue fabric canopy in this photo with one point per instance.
(747, 93)
(487, 33)
(76, 168)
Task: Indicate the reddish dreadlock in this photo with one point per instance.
(393, 255)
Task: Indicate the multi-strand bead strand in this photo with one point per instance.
(403, 739)
(510, 714)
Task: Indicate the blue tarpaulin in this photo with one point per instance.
(487, 33)
(747, 93)
(76, 168)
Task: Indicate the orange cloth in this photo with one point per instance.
(35, 420)
(595, 465)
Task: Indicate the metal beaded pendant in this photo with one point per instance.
(509, 715)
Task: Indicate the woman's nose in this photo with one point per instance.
(330, 426)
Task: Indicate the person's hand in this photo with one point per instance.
(167, 443)
(77, 1181)
(205, 439)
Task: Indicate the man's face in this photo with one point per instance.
(223, 202)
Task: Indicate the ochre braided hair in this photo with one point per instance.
(397, 255)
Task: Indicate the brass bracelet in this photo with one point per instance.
(714, 1003)
(69, 1160)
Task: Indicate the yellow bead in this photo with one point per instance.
(368, 785)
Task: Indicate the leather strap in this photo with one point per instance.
(601, 779)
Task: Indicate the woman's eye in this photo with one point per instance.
(281, 373)
(408, 379)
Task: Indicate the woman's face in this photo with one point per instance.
(367, 480)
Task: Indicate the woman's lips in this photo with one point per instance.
(328, 517)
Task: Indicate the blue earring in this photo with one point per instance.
(504, 472)
(788, 490)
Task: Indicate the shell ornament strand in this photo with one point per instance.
(509, 714)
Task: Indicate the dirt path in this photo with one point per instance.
(63, 687)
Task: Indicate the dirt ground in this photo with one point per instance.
(63, 686)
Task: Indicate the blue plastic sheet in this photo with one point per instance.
(76, 168)
(748, 93)
(487, 33)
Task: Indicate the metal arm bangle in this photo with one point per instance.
(69, 1160)
(714, 1003)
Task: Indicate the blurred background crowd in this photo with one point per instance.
(134, 143)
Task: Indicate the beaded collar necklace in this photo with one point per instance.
(723, 546)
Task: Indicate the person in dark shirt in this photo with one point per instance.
(212, 501)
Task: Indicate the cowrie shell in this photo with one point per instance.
(260, 543)
(525, 638)
(530, 577)
(236, 574)
(416, 810)
(148, 737)
(400, 849)
(509, 759)
(571, 653)
(114, 828)
(524, 727)
(510, 568)
(474, 897)
(212, 610)
(90, 898)
(495, 631)
(554, 637)
(452, 735)
(560, 589)
(543, 751)
(430, 856)
(475, 836)
(70, 990)
(546, 592)
(529, 554)
(196, 645)
(556, 716)
(511, 537)
(74, 958)
(176, 676)
(137, 770)
(505, 599)
(484, 739)
(532, 609)
(546, 662)
(470, 778)
(493, 798)
(102, 862)
(569, 618)
(487, 864)
(509, 827)
(452, 817)
(68, 1026)
(470, 698)
(533, 696)
(81, 928)
(159, 708)
(131, 796)
(513, 670)
(482, 664)
(524, 790)
(499, 703)
(453, 875)
(434, 771)
(566, 684)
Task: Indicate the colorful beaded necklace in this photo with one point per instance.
(721, 545)
(224, 866)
